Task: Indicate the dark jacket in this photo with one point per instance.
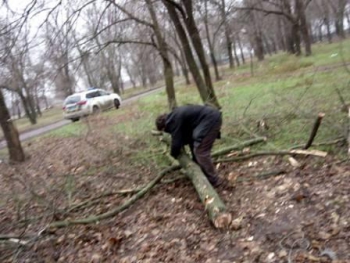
(189, 124)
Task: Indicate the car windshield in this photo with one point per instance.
(72, 99)
(93, 94)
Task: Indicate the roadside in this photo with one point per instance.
(283, 210)
(31, 133)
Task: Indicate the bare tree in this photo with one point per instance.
(163, 50)
(205, 89)
(10, 132)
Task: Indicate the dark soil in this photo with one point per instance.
(301, 215)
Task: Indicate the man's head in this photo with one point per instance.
(160, 122)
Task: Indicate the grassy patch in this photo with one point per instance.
(71, 130)
(48, 117)
(289, 103)
(286, 92)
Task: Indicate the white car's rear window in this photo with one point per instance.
(72, 99)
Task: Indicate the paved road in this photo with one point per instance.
(33, 133)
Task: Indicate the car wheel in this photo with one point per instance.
(95, 110)
(116, 103)
(75, 119)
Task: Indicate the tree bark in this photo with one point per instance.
(300, 9)
(198, 46)
(241, 48)
(227, 34)
(10, 133)
(348, 20)
(215, 207)
(258, 46)
(205, 93)
(235, 52)
(339, 22)
(27, 108)
(280, 35)
(163, 50)
(210, 43)
(267, 48)
(296, 39)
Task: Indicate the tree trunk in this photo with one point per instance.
(258, 47)
(10, 132)
(241, 49)
(204, 91)
(289, 28)
(131, 78)
(198, 47)
(177, 68)
(281, 35)
(27, 108)
(339, 22)
(235, 52)
(163, 50)
(182, 61)
(257, 39)
(348, 20)
(300, 9)
(274, 45)
(290, 40)
(267, 48)
(329, 33)
(227, 34)
(37, 102)
(296, 39)
(320, 34)
(210, 44)
(215, 207)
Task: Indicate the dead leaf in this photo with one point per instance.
(112, 244)
(324, 236)
(96, 258)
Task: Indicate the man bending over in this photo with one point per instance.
(196, 126)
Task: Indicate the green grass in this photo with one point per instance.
(71, 130)
(49, 116)
(286, 91)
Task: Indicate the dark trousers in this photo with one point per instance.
(201, 152)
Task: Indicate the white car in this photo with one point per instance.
(89, 102)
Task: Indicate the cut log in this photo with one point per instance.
(214, 206)
(238, 146)
(309, 152)
(314, 130)
(281, 153)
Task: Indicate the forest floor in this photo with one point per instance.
(299, 215)
(283, 213)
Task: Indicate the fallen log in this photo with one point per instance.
(238, 146)
(281, 153)
(215, 207)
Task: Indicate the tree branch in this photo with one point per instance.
(115, 211)
(138, 20)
